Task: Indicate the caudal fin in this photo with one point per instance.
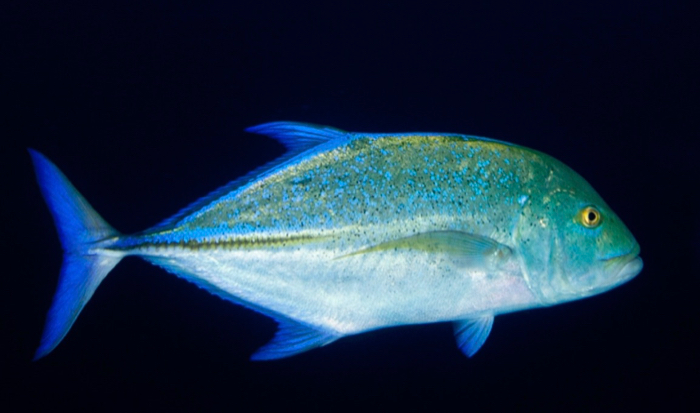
(84, 267)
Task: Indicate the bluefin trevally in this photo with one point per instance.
(352, 232)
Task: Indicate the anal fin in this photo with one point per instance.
(292, 338)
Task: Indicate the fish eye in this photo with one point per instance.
(590, 217)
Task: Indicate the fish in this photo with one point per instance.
(350, 232)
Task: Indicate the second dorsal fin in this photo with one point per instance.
(297, 136)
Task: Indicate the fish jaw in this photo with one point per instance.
(627, 265)
(630, 270)
(615, 271)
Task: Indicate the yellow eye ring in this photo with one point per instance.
(590, 217)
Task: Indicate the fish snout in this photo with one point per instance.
(622, 268)
(630, 269)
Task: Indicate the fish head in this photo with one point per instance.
(575, 246)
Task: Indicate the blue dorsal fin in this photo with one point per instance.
(292, 338)
(472, 333)
(295, 136)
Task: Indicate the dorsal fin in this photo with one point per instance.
(297, 137)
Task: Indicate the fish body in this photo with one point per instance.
(351, 232)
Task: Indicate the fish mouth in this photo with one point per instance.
(630, 269)
(626, 265)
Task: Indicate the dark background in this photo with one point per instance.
(143, 104)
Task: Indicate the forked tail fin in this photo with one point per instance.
(84, 267)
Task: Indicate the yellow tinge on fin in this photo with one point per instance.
(471, 249)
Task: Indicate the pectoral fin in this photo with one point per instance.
(470, 249)
(471, 333)
(292, 338)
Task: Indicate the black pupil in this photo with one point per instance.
(592, 216)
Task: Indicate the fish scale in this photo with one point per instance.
(351, 232)
(366, 176)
